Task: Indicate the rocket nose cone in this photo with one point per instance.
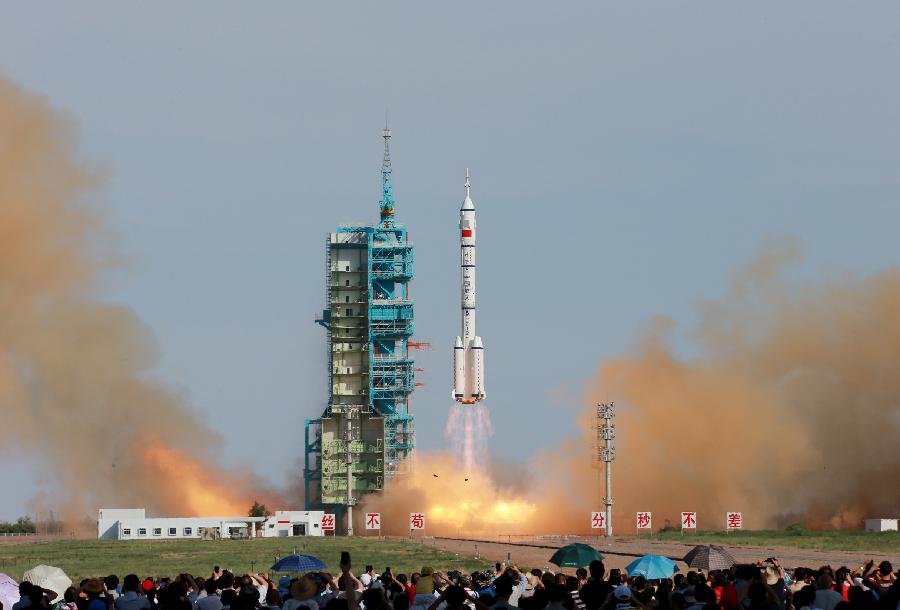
(467, 203)
(476, 342)
(458, 342)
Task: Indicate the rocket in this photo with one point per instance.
(468, 351)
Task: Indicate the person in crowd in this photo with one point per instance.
(133, 596)
(304, 592)
(572, 585)
(642, 591)
(96, 594)
(111, 583)
(24, 591)
(826, 597)
(595, 591)
(211, 600)
(368, 577)
(503, 589)
(425, 593)
(881, 579)
(726, 596)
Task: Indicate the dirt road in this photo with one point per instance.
(621, 551)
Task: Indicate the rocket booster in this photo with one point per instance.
(468, 351)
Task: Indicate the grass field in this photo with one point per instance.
(884, 542)
(82, 558)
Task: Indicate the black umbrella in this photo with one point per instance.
(709, 557)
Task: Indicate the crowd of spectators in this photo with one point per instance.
(764, 586)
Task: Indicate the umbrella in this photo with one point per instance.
(709, 557)
(9, 591)
(49, 578)
(652, 567)
(575, 556)
(298, 563)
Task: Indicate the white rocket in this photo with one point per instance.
(468, 352)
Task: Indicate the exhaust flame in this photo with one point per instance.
(469, 428)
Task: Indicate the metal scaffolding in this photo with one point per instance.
(365, 434)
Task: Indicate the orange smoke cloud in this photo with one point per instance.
(74, 377)
(199, 493)
(791, 413)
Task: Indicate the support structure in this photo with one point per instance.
(365, 434)
(606, 453)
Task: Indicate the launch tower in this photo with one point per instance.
(366, 431)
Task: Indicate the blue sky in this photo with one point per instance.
(625, 158)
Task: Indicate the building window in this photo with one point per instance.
(173, 531)
(188, 531)
(142, 531)
(126, 531)
(346, 282)
(349, 312)
(347, 268)
(346, 298)
(157, 531)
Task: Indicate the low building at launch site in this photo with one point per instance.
(881, 525)
(134, 524)
(366, 430)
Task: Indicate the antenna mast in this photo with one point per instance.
(387, 184)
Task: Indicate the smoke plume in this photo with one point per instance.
(75, 390)
(790, 414)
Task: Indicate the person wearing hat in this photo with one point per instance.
(624, 598)
(96, 594)
(425, 594)
(303, 593)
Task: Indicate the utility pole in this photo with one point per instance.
(606, 452)
(349, 436)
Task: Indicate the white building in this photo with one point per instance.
(294, 523)
(133, 524)
(881, 525)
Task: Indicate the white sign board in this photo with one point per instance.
(328, 522)
(416, 521)
(689, 521)
(373, 521)
(734, 521)
(598, 520)
(645, 521)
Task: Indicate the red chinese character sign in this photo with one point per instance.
(644, 521)
(598, 520)
(328, 522)
(416, 521)
(734, 521)
(688, 521)
(373, 521)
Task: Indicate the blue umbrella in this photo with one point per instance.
(298, 563)
(652, 567)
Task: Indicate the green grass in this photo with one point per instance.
(83, 558)
(884, 542)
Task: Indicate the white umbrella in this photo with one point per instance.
(49, 578)
(9, 591)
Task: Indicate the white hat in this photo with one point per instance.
(365, 579)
